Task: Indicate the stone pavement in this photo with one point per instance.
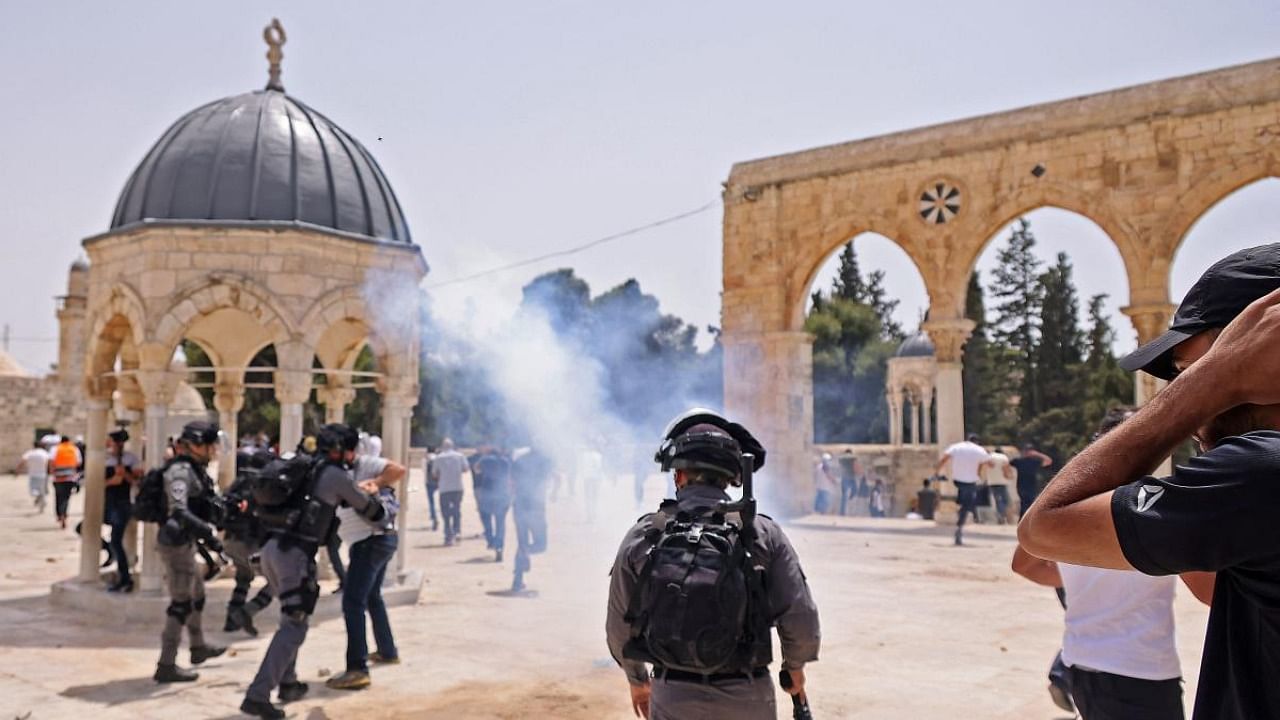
(913, 628)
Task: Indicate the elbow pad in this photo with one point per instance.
(374, 511)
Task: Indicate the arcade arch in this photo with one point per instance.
(1141, 162)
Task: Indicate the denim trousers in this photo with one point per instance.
(363, 593)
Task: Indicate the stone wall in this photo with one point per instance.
(32, 403)
(902, 467)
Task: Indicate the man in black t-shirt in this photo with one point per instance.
(1216, 513)
(1028, 466)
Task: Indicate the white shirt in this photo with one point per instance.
(1120, 621)
(965, 459)
(995, 472)
(37, 460)
(375, 446)
(448, 467)
(352, 527)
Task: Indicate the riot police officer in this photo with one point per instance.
(759, 576)
(243, 537)
(191, 501)
(288, 561)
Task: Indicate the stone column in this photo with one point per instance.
(894, 398)
(914, 403)
(926, 413)
(95, 440)
(1151, 321)
(228, 398)
(157, 390)
(397, 409)
(769, 388)
(335, 399)
(293, 388)
(949, 337)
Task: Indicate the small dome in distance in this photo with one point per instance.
(917, 345)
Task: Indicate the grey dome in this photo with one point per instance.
(262, 157)
(918, 345)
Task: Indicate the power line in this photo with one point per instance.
(579, 248)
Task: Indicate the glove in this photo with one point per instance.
(213, 543)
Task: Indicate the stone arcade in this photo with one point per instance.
(1144, 163)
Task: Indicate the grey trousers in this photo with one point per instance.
(291, 572)
(186, 589)
(746, 699)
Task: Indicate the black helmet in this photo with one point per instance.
(200, 432)
(336, 436)
(704, 440)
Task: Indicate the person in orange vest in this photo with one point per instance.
(65, 466)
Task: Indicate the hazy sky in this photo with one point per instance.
(510, 129)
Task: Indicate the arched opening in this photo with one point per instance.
(1234, 222)
(1040, 365)
(862, 302)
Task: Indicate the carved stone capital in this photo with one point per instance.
(949, 337)
(228, 397)
(1151, 321)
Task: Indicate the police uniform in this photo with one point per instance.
(288, 562)
(243, 538)
(190, 498)
(790, 606)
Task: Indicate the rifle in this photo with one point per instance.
(799, 703)
(746, 507)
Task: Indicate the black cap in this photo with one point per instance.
(121, 436)
(1221, 293)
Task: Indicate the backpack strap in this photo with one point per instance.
(657, 525)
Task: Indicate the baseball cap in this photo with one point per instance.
(1221, 293)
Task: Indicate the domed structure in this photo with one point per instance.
(918, 345)
(262, 158)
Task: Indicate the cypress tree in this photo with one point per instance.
(1019, 299)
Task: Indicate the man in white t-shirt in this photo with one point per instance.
(447, 467)
(998, 473)
(371, 548)
(36, 464)
(966, 459)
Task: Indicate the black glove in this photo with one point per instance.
(213, 543)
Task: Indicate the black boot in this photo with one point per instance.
(243, 619)
(259, 708)
(232, 624)
(205, 652)
(290, 692)
(174, 674)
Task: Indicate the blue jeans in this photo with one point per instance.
(363, 592)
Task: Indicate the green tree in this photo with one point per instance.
(1060, 349)
(986, 393)
(848, 283)
(850, 357)
(1019, 300)
(1106, 383)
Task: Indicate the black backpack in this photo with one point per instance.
(283, 502)
(699, 603)
(151, 505)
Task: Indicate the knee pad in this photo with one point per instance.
(299, 615)
(198, 605)
(179, 610)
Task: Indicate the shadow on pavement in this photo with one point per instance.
(970, 530)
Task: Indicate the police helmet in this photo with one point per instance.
(336, 436)
(200, 432)
(701, 439)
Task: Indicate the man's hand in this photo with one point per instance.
(369, 486)
(1245, 356)
(640, 699)
(797, 683)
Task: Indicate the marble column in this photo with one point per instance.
(926, 416)
(95, 440)
(894, 398)
(335, 399)
(949, 337)
(228, 398)
(158, 385)
(914, 403)
(396, 412)
(292, 390)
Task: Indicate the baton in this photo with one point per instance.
(799, 705)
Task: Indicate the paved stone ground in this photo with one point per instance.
(913, 628)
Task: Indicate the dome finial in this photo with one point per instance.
(275, 37)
